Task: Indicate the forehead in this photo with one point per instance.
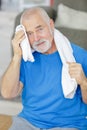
(32, 21)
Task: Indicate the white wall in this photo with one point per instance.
(6, 29)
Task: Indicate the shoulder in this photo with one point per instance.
(76, 47)
(80, 55)
(78, 51)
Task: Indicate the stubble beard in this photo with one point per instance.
(41, 46)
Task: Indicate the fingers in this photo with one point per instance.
(19, 34)
(76, 71)
(18, 38)
(74, 68)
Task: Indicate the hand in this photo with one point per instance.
(19, 36)
(76, 71)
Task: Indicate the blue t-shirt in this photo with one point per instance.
(44, 104)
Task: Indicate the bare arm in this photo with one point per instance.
(10, 84)
(77, 72)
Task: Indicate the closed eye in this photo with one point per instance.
(29, 33)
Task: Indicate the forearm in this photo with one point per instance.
(10, 80)
(84, 90)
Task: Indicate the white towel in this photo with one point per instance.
(26, 49)
(69, 85)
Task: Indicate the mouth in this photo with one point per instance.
(39, 44)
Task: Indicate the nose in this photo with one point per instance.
(36, 37)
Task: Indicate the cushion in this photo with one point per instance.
(77, 4)
(71, 18)
(8, 107)
(76, 36)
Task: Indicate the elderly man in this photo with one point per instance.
(44, 105)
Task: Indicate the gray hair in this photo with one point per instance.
(34, 10)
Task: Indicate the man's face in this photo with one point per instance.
(39, 33)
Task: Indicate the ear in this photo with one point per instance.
(52, 23)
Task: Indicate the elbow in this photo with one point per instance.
(8, 93)
(5, 95)
(5, 92)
